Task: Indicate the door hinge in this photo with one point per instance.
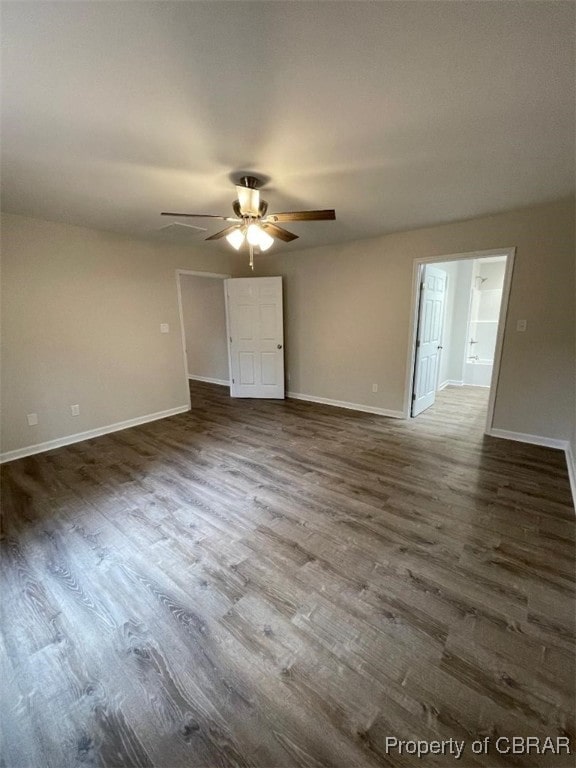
(417, 343)
(233, 382)
(413, 396)
(422, 286)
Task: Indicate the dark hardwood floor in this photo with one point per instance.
(263, 583)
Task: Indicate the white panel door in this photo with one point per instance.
(255, 336)
(429, 338)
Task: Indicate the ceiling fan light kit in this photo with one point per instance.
(235, 238)
(251, 224)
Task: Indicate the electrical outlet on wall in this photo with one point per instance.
(374, 387)
(75, 410)
(32, 419)
(164, 328)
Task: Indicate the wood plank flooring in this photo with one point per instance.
(263, 583)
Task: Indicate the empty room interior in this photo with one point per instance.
(288, 384)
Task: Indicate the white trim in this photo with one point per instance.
(228, 334)
(521, 437)
(193, 273)
(417, 267)
(502, 317)
(182, 335)
(344, 404)
(571, 463)
(196, 273)
(209, 380)
(465, 256)
(49, 445)
(451, 383)
(547, 442)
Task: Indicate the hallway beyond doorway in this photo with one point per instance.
(459, 410)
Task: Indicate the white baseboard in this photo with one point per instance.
(547, 442)
(344, 404)
(521, 437)
(49, 445)
(450, 383)
(459, 383)
(209, 380)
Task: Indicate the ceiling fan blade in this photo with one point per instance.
(222, 233)
(326, 215)
(279, 232)
(200, 216)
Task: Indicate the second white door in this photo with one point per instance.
(429, 338)
(255, 336)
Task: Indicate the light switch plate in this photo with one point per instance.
(32, 419)
(521, 325)
(164, 328)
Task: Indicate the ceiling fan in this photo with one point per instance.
(252, 224)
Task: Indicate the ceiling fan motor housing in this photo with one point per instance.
(250, 181)
(262, 209)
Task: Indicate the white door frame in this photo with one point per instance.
(418, 265)
(193, 273)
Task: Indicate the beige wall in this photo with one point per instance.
(204, 315)
(348, 311)
(81, 325)
(82, 309)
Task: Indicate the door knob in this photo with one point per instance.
(279, 346)
(440, 347)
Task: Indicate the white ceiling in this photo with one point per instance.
(397, 114)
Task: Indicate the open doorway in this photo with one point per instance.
(203, 326)
(459, 312)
